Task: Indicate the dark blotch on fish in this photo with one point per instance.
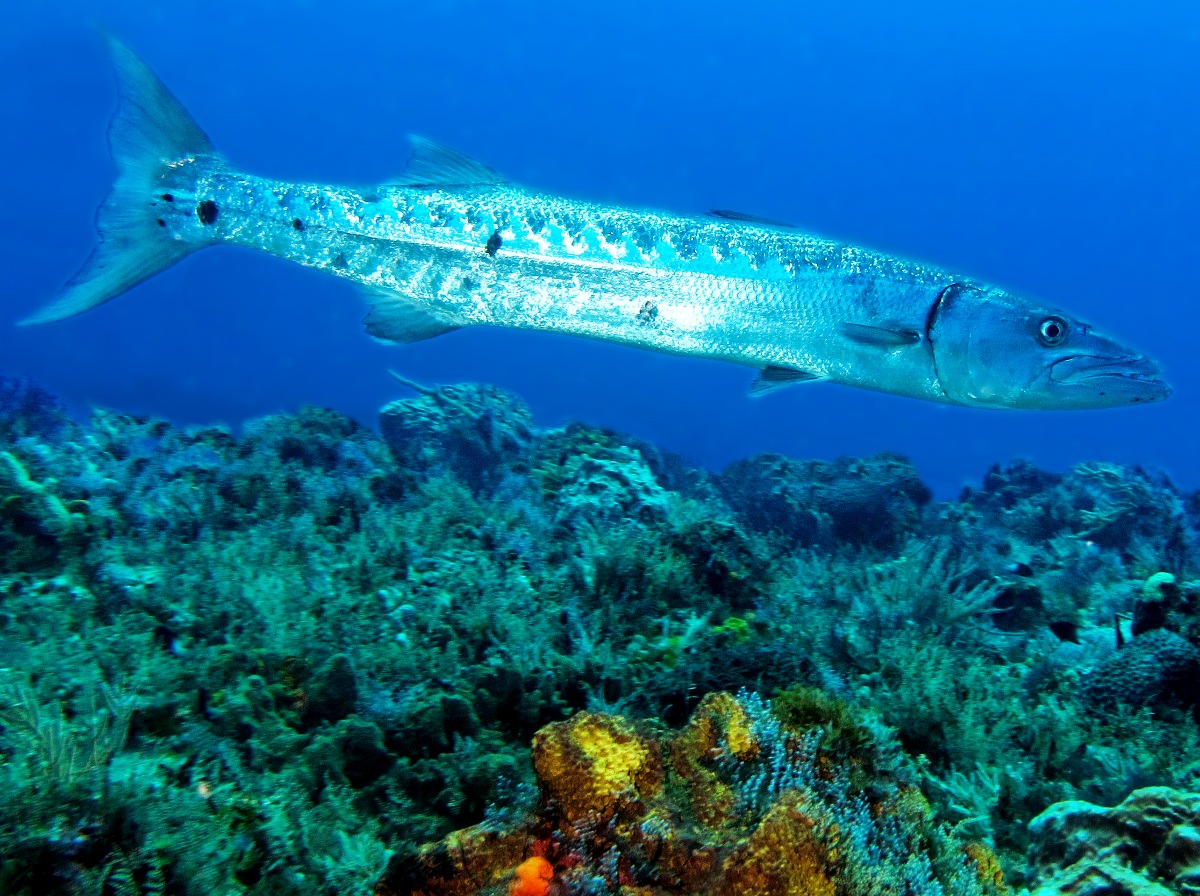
(648, 313)
(161, 222)
(167, 197)
(1066, 631)
(495, 241)
(207, 211)
(297, 224)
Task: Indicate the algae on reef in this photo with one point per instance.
(307, 658)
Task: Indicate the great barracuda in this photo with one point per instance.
(453, 244)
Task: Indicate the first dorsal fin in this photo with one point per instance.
(434, 165)
(730, 215)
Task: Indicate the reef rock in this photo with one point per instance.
(27, 409)
(476, 432)
(873, 501)
(1149, 845)
(611, 488)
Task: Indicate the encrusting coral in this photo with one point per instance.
(733, 805)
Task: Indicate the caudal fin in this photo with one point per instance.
(150, 134)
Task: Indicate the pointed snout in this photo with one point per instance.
(1110, 380)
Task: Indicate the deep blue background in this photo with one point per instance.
(1053, 152)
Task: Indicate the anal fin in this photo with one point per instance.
(772, 378)
(395, 318)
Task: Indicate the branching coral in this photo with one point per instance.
(38, 499)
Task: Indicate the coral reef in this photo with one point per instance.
(285, 661)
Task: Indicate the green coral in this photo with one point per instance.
(803, 708)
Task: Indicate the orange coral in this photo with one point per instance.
(532, 878)
(987, 867)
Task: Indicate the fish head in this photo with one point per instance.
(993, 349)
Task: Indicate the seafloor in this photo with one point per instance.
(473, 656)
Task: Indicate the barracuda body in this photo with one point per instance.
(453, 244)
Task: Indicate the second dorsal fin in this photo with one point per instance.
(434, 165)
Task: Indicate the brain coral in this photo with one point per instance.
(1155, 668)
(1149, 845)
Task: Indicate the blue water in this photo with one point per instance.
(1054, 152)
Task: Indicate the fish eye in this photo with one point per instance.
(1052, 331)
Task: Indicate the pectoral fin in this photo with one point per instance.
(885, 336)
(772, 378)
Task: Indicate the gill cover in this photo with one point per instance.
(993, 349)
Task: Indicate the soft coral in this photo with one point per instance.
(532, 878)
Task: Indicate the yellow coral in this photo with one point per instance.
(53, 517)
(719, 724)
(592, 762)
(783, 857)
(987, 868)
(738, 737)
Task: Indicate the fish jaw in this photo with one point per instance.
(1109, 381)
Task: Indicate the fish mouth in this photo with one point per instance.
(1132, 377)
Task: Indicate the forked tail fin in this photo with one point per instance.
(150, 134)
